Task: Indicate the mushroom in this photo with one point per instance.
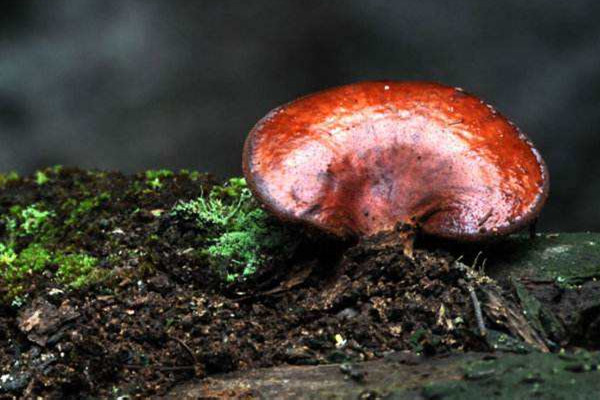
(364, 158)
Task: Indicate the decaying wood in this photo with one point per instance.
(543, 301)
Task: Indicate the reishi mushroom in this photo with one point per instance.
(361, 159)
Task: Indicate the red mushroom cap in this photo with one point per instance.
(359, 159)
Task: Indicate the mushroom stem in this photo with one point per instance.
(533, 229)
(406, 234)
(408, 240)
(403, 235)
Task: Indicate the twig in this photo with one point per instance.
(186, 347)
(174, 368)
(180, 368)
(478, 314)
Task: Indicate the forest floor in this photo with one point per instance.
(173, 284)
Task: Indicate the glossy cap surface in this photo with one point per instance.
(358, 159)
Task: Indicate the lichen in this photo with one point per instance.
(535, 375)
(569, 259)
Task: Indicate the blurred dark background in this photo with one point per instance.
(131, 85)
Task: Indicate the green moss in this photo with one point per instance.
(415, 340)
(77, 270)
(567, 258)
(34, 226)
(535, 375)
(78, 209)
(34, 258)
(33, 220)
(240, 249)
(7, 255)
(8, 177)
(240, 235)
(225, 208)
(44, 176)
(97, 174)
(41, 178)
(542, 319)
(16, 268)
(235, 189)
(233, 235)
(154, 177)
(192, 175)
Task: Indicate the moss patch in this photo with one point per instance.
(72, 228)
(154, 177)
(7, 178)
(567, 258)
(28, 250)
(535, 375)
(240, 236)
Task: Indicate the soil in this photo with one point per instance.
(162, 316)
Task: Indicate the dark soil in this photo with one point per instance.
(162, 316)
